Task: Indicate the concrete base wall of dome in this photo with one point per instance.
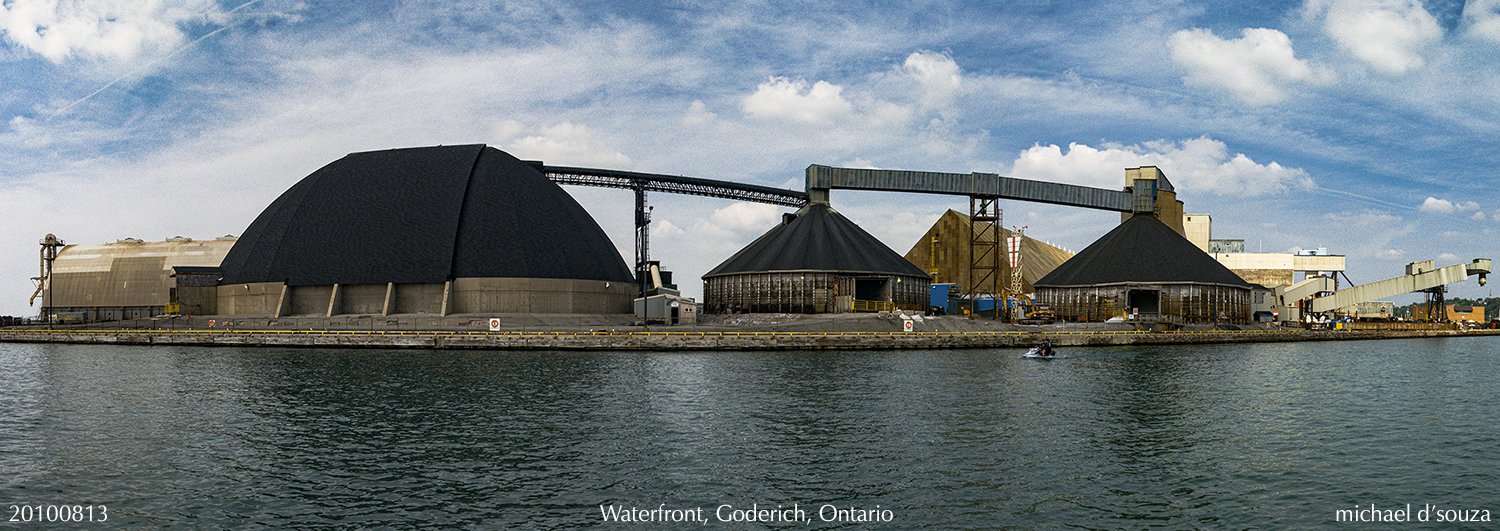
(256, 298)
(464, 295)
(542, 295)
(1175, 303)
(812, 292)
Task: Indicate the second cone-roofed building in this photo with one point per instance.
(1145, 269)
(815, 261)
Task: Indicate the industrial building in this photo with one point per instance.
(128, 279)
(436, 230)
(815, 261)
(945, 252)
(1145, 271)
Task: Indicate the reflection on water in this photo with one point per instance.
(1222, 436)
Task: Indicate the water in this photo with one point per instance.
(1274, 436)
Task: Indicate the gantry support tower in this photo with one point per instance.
(50, 245)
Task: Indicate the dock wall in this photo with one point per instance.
(659, 341)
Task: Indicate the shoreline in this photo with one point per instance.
(695, 340)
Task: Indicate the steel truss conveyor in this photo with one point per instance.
(641, 183)
(1420, 276)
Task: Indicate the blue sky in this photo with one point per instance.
(1367, 127)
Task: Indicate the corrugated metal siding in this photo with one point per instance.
(125, 274)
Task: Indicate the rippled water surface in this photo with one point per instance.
(1272, 436)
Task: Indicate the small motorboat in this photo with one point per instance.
(1036, 352)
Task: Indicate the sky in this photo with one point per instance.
(1366, 127)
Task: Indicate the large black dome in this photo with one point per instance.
(421, 215)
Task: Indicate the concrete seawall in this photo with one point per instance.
(693, 340)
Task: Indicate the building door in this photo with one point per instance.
(1146, 301)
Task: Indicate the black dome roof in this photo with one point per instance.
(817, 239)
(423, 215)
(1141, 249)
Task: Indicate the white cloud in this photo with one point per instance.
(1200, 165)
(1446, 258)
(1478, 216)
(745, 217)
(1255, 68)
(1444, 206)
(113, 29)
(566, 143)
(1391, 36)
(940, 77)
(698, 114)
(665, 229)
(1482, 19)
(782, 98)
(1390, 254)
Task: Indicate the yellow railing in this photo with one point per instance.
(874, 306)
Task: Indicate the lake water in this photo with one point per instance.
(1270, 436)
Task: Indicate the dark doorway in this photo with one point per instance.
(870, 289)
(1146, 301)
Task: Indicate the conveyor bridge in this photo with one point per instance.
(1420, 276)
(821, 179)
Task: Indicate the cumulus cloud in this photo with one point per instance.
(113, 29)
(724, 230)
(666, 229)
(1444, 206)
(1482, 19)
(939, 76)
(1390, 36)
(698, 114)
(1254, 68)
(785, 99)
(745, 217)
(1200, 165)
(1390, 254)
(565, 143)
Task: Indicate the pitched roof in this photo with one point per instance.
(1141, 249)
(421, 215)
(952, 229)
(817, 238)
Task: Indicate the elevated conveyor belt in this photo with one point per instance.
(821, 179)
(1418, 278)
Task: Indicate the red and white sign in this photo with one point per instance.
(494, 325)
(906, 325)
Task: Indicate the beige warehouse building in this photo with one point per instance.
(128, 279)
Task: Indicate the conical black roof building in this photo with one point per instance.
(1145, 269)
(815, 261)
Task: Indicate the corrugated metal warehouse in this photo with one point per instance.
(437, 230)
(815, 261)
(952, 250)
(128, 279)
(1146, 267)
